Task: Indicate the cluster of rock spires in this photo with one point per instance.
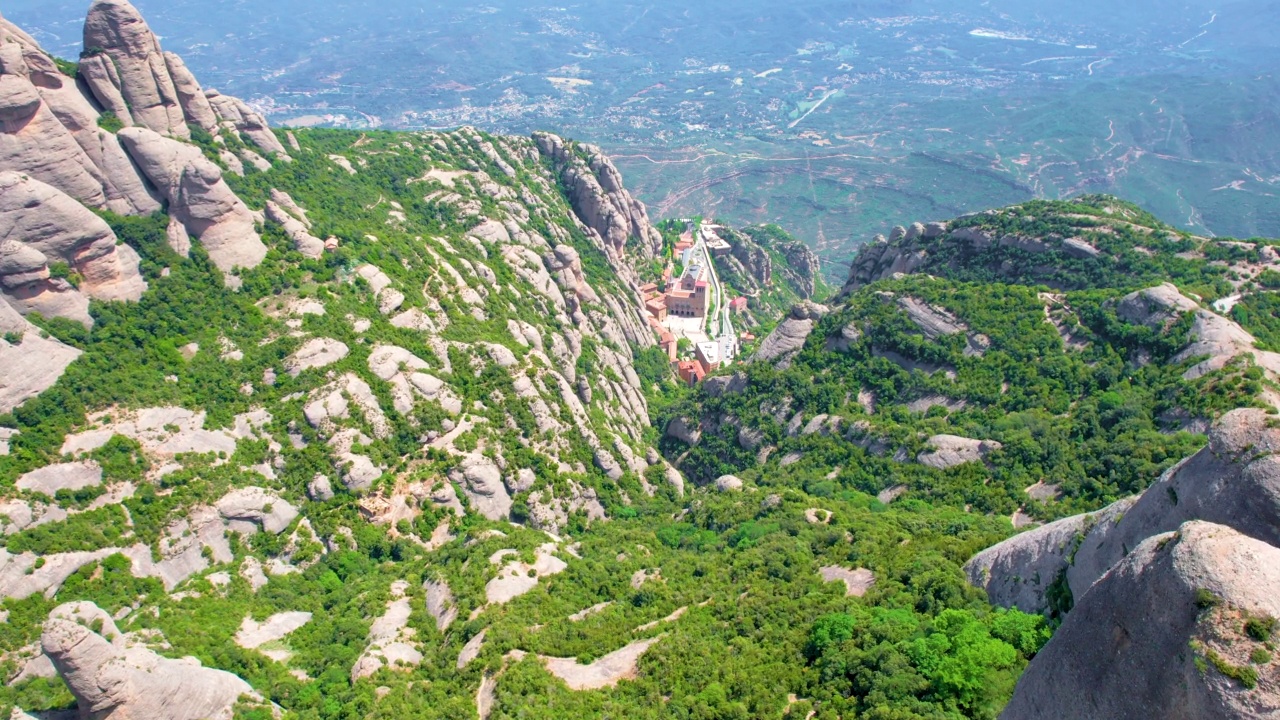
(57, 163)
(49, 132)
(1131, 644)
(597, 195)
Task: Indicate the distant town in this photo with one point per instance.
(688, 309)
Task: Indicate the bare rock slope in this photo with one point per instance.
(1151, 639)
(111, 678)
(1234, 481)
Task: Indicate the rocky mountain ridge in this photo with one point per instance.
(476, 357)
(374, 425)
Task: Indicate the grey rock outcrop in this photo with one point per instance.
(1155, 307)
(728, 483)
(110, 678)
(49, 479)
(127, 71)
(234, 114)
(1214, 337)
(725, 384)
(315, 353)
(947, 451)
(198, 198)
(749, 264)
(30, 363)
(881, 259)
(320, 489)
(40, 225)
(597, 195)
(804, 268)
(293, 219)
(1131, 646)
(246, 509)
(789, 337)
(481, 480)
(1234, 481)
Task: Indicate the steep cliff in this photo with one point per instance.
(1164, 635)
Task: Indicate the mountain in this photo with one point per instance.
(328, 424)
(825, 118)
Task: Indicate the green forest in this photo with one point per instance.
(728, 582)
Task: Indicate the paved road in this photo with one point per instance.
(722, 319)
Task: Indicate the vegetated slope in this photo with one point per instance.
(981, 386)
(369, 437)
(949, 369)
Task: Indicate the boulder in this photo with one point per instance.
(725, 384)
(320, 489)
(728, 483)
(788, 338)
(254, 506)
(684, 430)
(315, 353)
(1144, 643)
(481, 481)
(946, 451)
(198, 197)
(110, 678)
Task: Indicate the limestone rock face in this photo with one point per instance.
(195, 106)
(198, 198)
(29, 363)
(40, 225)
(234, 114)
(598, 196)
(788, 338)
(946, 451)
(127, 71)
(1234, 481)
(1130, 647)
(111, 679)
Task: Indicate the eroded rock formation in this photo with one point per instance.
(112, 678)
(40, 226)
(1150, 639)
(198, 198)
